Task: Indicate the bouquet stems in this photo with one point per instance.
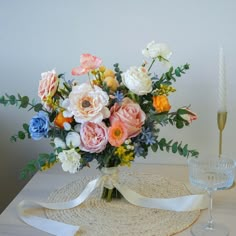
(109, 194)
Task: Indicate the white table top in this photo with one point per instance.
(43, 183)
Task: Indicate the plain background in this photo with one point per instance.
(37, 36)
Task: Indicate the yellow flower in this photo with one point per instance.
(120, 151)
(127, 158)
(47, 166)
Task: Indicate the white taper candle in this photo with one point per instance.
(222, 83)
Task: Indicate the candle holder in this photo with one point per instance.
(221, 120)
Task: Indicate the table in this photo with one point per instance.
(43, 183)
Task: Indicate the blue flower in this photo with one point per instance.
(138, 150)
(39, 126)
(147, 136)
(119, 96)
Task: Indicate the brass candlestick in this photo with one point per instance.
(221, 120)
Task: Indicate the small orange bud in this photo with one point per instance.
(102, 69)
(161, 103)
(109, 72)
(60, 120)
(111, 83)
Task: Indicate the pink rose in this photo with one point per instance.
(48, 85)
(87, 63)
(130, 114)
(94, 137)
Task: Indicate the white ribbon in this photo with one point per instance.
(108, 179)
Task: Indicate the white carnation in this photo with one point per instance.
(70, 160)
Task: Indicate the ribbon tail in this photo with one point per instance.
(183, 203)
(51, 226)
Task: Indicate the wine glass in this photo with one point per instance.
(211, 175)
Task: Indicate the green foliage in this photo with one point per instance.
(43, 162)
(118, 72)
(175, 147)
(20, 102)
(22, 134)
(169, 77)
(29, 169)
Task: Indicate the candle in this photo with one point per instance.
(222, 83)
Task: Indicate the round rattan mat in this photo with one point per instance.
(97, 217)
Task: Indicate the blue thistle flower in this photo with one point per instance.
(147, 136)
(138, 150)
(119, 96)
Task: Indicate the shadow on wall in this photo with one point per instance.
(14, 157)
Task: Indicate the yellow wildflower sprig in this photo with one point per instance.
(126, 153)
(164, 90)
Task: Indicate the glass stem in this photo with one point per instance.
(210, 219)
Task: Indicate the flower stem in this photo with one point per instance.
(153, 60)
(109, 195)
(90, 80)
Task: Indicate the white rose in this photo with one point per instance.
(59, 143)
(160, 50)
(73, 139)
(70, 160)
(137, 80)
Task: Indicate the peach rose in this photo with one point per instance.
(161, 103)
(130, 114)
(48, 85)
(94, 137)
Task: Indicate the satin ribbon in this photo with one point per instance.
(108, 179)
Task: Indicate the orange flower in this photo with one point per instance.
(60, 120)
(117, 134)
(161, 103)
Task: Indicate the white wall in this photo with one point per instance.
(36, 36)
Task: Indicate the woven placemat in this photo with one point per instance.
(118, 218)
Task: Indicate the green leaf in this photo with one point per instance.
(52, 116)
(21, 135)
(12, 100)
(180, 150)
(177, 72)
(13, 139)
(154, 147)
(162, 143)
(179, 124)
(186, 66)
(185, 150)
(38, 107)
(26, 127)
(43, 156)
(117, 69)
(24, 101)
(29, 169)
(175, 147)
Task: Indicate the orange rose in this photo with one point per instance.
(161, 103)
(60, 120)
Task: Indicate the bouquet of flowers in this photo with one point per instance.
(114, 117)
